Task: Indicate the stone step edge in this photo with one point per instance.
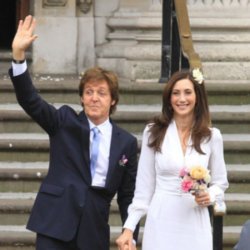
(6, 55)
(27, 198)
(136, 20)
(17, 171)
(33, 165)
(12, 234)
(240, 114)
(69, 84)
(14, 107)
(40, 141)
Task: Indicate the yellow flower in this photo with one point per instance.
(198, 172)
(207, 178)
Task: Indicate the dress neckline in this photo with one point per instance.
(183, 153)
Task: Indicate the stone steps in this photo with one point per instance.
(24, 147)
(131, 117)
(17, 237)
(134, 50)
(6, 58)
(238, 209)
(15, 208)
(239, 178)
(29, 146)
(64, 89)
(20, 182)
(26, 176)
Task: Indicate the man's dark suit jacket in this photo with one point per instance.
(65, 196)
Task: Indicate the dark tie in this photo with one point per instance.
(94, 150)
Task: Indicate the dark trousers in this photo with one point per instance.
(47, 243)
(92, 232)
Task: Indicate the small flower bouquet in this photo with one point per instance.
(123, 161)
(194, 179)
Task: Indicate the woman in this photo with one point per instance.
(180, 137)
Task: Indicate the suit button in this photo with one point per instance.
(81, 205)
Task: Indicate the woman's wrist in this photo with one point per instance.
(127, 231)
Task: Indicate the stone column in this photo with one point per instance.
(133, 48)
(55, 50)
(86, 35)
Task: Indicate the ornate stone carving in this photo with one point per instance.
(239, 3)
(54, 3)
(156, 1)
(84, 5)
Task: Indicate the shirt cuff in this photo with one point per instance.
(132, 220)
(19, 69)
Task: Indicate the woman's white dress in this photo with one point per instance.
(174, 220)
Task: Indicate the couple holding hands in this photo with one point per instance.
(71, 210)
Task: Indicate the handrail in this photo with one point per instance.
(177, 45)
(185, 34)
(178, 52)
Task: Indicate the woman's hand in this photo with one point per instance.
(125, 240)
(202, 198)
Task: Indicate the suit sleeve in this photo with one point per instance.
(217, 166)
(145, 184)
(29, 99)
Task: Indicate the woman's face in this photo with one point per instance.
(183, 98)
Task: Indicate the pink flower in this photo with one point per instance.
(183, 172)
(123, 161)
(186, 185)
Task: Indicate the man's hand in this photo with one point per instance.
(23, 38)
(125, 240)
(132, 247)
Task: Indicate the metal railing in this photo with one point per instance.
(178, 53)
(177, 44)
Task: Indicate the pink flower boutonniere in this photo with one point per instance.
(123, 161)
(194, 179)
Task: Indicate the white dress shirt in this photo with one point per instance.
(18, 69)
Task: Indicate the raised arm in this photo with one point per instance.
(23, 38)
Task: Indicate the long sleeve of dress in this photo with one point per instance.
(219, 182)
(145, 184)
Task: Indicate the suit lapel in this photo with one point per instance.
(114, 152)
(85, 134)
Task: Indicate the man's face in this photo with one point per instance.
(96, 100)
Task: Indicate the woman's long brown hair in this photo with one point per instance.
(202, 122)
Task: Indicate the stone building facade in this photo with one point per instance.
(125, 35)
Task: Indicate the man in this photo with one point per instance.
(91, 158)
(244, 240)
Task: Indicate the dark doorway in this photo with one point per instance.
(11, 11)
(7, 23)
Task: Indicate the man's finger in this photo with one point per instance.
(27, 22)
(32, 25)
